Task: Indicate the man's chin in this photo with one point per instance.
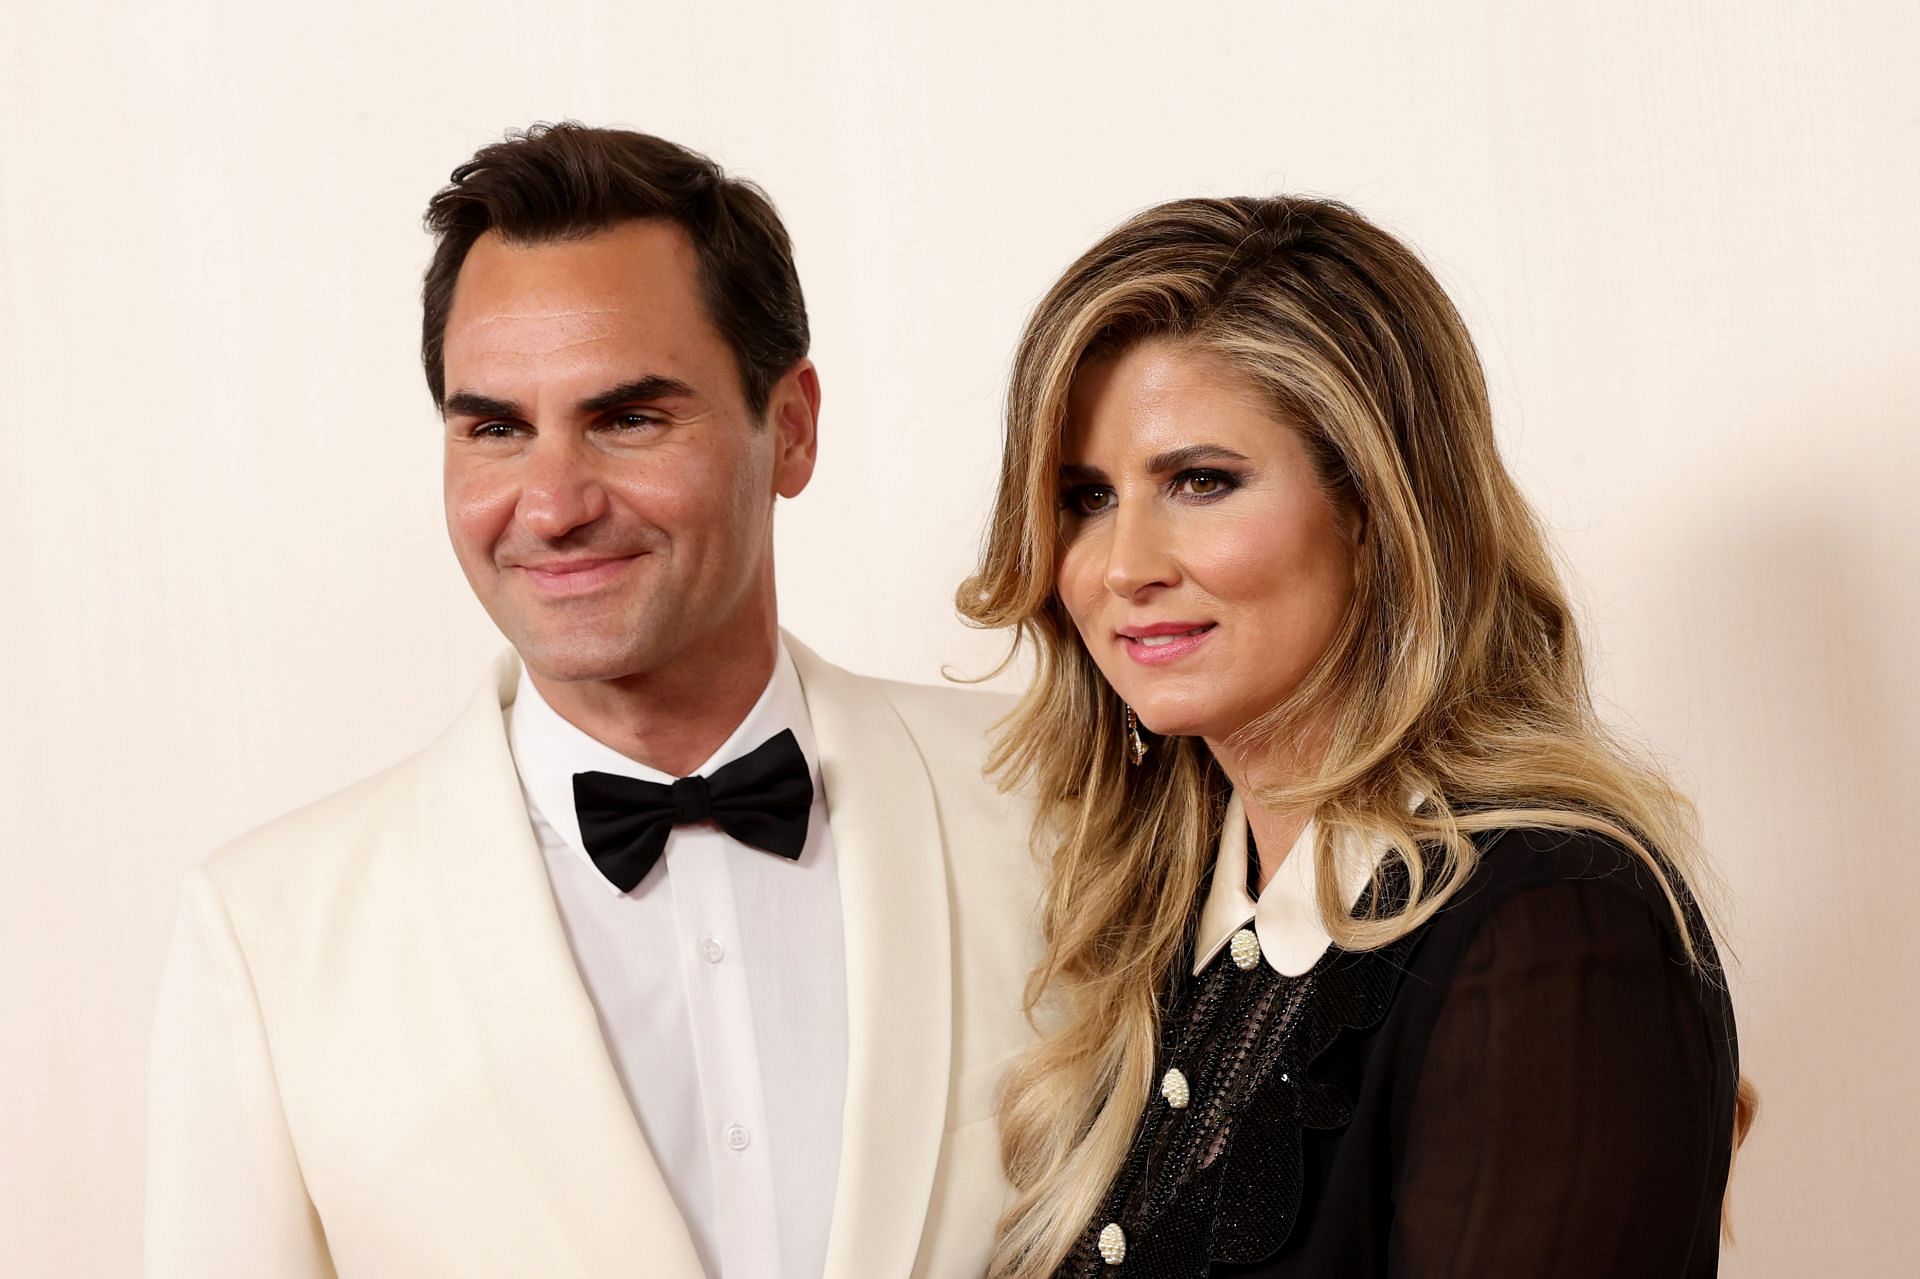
(576, 659)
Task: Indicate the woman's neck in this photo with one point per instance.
(1274, 830)
(1273, 835)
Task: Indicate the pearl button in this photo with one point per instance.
(1113, 1244)
(1245, 949)
(1173, 1086)
(713, 950)
(738, 1138)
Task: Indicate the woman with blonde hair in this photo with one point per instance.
(1369, 952)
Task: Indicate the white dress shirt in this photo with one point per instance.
(720, 982)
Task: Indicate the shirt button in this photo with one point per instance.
(713, 950)
(1245, 949)
(738, 1138)
(1173, 1087)
(1113, 1244)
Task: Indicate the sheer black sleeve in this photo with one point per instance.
(1572, 1114)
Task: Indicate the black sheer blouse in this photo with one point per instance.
(1534, 1083)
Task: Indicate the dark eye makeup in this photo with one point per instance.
(1205, 483)
(1200, 484)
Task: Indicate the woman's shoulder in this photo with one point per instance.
(1578, 863)
(1573, 930)
(1573, 890)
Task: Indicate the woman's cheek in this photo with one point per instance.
(1078, 584)
(1238, 555)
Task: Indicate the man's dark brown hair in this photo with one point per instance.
(554, 182)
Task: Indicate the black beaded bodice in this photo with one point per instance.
(1537, 1080)
(1215, 1172)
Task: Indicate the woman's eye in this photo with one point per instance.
(1086, 499)
(1205, 483)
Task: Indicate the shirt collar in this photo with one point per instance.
(548, 749)
(1286, 919)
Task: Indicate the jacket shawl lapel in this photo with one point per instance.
(552, 1075)
(893, 892)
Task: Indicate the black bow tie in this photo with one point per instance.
(762, 799)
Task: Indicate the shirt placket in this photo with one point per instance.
(713, 960)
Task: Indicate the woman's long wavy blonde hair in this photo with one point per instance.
(1457, 675)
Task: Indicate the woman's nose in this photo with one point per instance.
(1140, 555)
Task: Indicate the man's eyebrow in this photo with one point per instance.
(474, 404)
(1181, 458)
(654, 386)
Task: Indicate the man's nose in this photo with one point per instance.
(1140, 554)
(561, 489)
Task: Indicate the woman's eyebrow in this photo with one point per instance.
(1181, 458)
(1079, 473)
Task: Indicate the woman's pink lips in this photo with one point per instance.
(1172, 650)
(574, 577)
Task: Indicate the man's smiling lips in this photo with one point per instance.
(562, 578)
(1158, 643)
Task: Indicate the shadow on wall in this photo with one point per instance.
(1782, 631)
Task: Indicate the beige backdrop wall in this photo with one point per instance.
(1683, 234)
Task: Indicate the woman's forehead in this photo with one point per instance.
(1159, 395)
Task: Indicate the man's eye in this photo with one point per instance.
(635, 421)
(494, 430)
(1086, 499)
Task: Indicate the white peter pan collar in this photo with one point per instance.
(1286, 919)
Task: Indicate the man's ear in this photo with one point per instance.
(793, 414)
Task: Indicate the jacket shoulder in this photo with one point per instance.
(953, 728)
(934, 709)
(391, 809)
(950, 726)
(319, 840)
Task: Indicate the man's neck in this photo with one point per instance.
(671, 720)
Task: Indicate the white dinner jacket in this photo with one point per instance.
(373, 1055)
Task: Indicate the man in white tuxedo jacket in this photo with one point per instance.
(681, 952)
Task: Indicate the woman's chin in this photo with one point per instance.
(1173, 721)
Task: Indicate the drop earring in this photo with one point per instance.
(1136, 744)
